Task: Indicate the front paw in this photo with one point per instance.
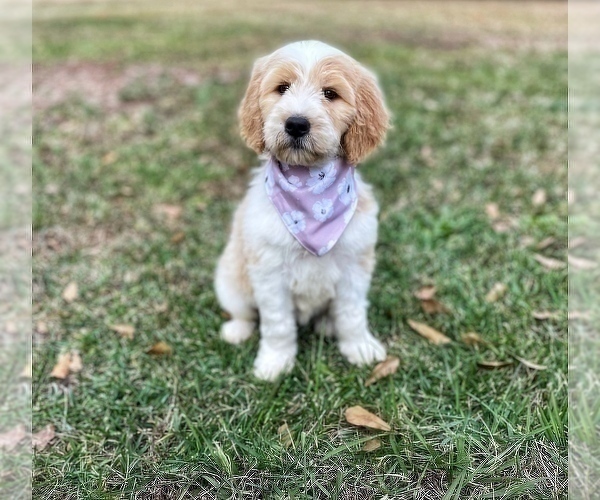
(271, 363)
(363, 350)
(236, 331)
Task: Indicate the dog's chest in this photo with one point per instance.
(312, 283)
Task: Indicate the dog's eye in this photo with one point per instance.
(283, 88)
(329, 94)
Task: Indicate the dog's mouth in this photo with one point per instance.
(299, 151)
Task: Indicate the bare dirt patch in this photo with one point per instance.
(99, 84)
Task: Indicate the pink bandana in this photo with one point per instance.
(315, 203)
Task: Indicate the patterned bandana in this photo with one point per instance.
(315, 203)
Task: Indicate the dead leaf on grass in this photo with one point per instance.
(581, 264)
(434, 307)
(529, 364)
(41, 327)
(27, 370)
(542, 315)
(426, 292)
(575, 315)
(496, 293)
(109, 158)
(539, 198)
(526, 241)
(75, 364)
(387, 367)
(71, 292)
(503, 226)
(170, 212)
(472, 338)
(61, 368)
(125, 331)
(493, 365)
(545, 243)
(285, 436)
(429, 303)
(372, 445)
(357, 415)
(178, 238)
(41, 439)
(548, 262)
(11, 438)
(160, 349)
(577, 242)
(492, 211)
(431, 334)
(68, 362)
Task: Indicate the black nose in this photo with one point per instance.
(297, 126)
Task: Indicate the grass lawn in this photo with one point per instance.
(137, 168)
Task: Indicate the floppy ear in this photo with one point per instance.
(251, 122)
(371, 122)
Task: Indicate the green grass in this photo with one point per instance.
(471, 126)
(584, 341)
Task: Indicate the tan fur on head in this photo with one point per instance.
(351, 125)
(251, 123)
(371, 122)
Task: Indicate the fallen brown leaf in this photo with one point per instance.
(61, 368)
(109, 158)
(433, 307)
(387, 367)
(542, 315)
(75, 364)
(575, 315)
(41, 328)
(171, 212)
(431, 334)
(472, 338)
(492, 365)
(539, 198)
(526, 241)
(285, 436)
(160, 348)
(577, 242)
(496, 293)
(11, 438)
(492, 211)
(545, 243)
(69, 362)
(425, 293)
(178, 238)
(372, 445)
(581, 264)
(529, 364)
(70, 293)
(357, 415)
(502, 226)
(548, 262)
(27, 370)
(126, 331)
(42, 438)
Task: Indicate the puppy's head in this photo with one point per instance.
(308, 102)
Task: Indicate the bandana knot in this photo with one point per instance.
(315, 203)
